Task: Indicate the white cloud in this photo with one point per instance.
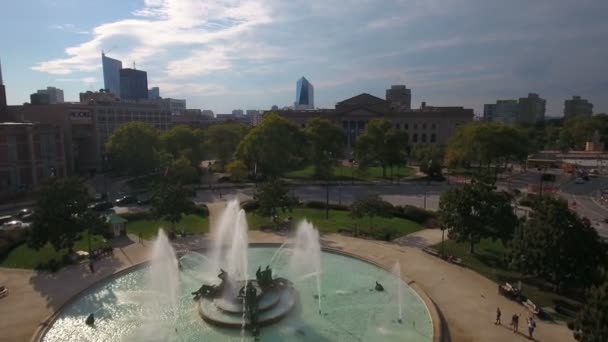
(162, 25)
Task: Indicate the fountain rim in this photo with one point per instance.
(432, 309)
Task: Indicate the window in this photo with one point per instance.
(433, 126)
(407, 126)
(424, 125)
(415, 126)
(423, 138)
(345, 124)
(433, 138)
(415, 138)
(397, 126)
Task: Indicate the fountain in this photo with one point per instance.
(297, 292)
(398, 288)
(306, 257)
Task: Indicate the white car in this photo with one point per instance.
(15, 224)
(579, 181)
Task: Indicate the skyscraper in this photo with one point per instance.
(55, 94)
(154, 93)
(399, 97)
(111, 74)
(305, 95)
(133, 84)
(577, 106)
(531, 109)
(2, 94)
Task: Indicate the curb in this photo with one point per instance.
(439, 330)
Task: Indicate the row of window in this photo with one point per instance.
(432, 138)
(415, 126)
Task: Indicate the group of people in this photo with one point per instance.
(515, 323)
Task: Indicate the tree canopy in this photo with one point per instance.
(486, 144)
(381, 143)
(273, 147)
(591, 324)
(133, 147)
(274, 196)
(556, 244)
(223, 140)
(326, 144)
(61, 213)
(184, 141)
(476, 211)
(171, 201)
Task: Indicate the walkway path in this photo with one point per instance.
(467, 300)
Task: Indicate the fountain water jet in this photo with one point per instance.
(223, 237)
(306, 257)
(163, 275)
(399, 288)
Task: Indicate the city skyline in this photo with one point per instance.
(226, 55)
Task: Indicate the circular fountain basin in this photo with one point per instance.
(351, 310)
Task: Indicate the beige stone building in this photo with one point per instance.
(426, 125)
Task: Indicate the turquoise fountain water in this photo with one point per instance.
(336, 300)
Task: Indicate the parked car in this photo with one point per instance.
(579, 180)
(126, 200)
(14, 224)
(101, 206)
(99, 197)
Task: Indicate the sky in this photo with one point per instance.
(228, 54)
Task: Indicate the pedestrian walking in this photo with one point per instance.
(141, 238)
(515, 322)
(498, 314)
(531, 327)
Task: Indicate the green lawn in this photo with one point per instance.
(339, 219)
(192, 224)
(348, 173)
(490, 260)
(26, 257)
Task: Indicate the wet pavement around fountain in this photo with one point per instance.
(466, 299)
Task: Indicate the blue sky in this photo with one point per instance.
(227, 54)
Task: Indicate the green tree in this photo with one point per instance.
(485, 145)
(237, 170)
(274, 196)
(381, 143)
(556, 244)
(171, 201)
(326, 142)
(182, 171)
(476, 211)
(591, 324)
(223, 140)
(370, 206)
(273, 147)
(133, 148)
(184, 141)
(61, 213)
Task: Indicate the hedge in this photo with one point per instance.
(412, 213)
(321, 205)
(10, 239)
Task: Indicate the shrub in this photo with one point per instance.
(321, 205)
(137, 216)
(250, 205)
(201, 210)
(10, 239)
(415, 214)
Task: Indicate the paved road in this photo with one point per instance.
(417, 194)
(586, 205)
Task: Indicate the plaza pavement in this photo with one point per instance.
(466, 299)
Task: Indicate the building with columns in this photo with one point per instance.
(425, 125)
